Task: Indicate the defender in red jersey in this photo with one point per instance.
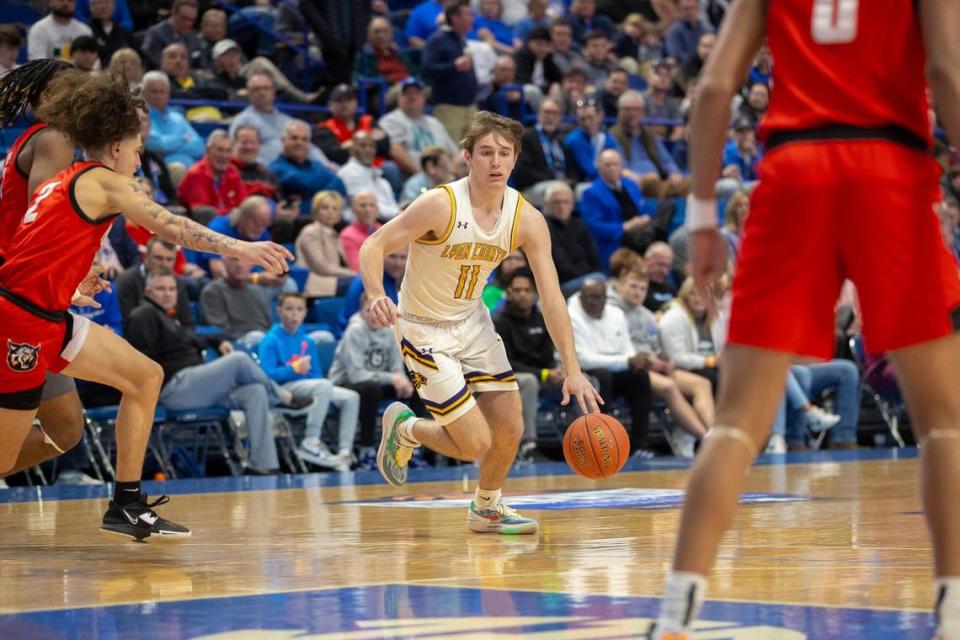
(39, 153)
(50, 254)
(847, 188)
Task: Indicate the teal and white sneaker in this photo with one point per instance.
(499, 519)
(394, 454)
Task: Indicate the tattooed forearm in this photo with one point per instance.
(179, 229)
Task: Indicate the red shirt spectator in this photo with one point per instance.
(366, 212)
(214, 181)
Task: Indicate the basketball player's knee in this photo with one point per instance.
(151, 378)
(477, 446)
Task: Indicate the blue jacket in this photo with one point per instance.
(305, 179)
(278, 349)
(449, 86)
(173, 137)
(423, 19)
(221, 224)
(108, 314)
(748, 170)
(351, 302)
(581, 148)
(601, 211)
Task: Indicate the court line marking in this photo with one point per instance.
(433, 582)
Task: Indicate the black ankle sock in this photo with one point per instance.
(126, 492)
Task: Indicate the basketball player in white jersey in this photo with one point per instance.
(457, 235)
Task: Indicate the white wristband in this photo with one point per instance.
(701, 214)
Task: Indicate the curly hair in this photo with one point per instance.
(22, 87)
(96, 111)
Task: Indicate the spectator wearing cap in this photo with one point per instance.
(213, 183)
(589, 139)
(227, 64)
(684, 35)
(171, 136)
(50, 36)
(536, 18)
(565, 53)
(535, 64)
(450, 71)
(380, 57)
(10, 43)
(177, 28)
(741, 156)
(646, 159)
(263, 115)
(109, 31)
(300, 177)
(412, 130)
(85, 54)
(584, 18)
(543, 157)
(361, 174)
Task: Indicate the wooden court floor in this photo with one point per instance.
(824, 545)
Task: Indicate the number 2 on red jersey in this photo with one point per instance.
(834, 21)
(31, 213)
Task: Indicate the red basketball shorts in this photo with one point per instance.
(31, 347)
(825, 211)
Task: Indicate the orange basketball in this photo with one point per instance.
(596, 446)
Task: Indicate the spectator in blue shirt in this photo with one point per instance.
(107, 314)
(740, 159)
(588, 140)
(394, 266)
(489, 28)
(646, 160)
(683, 35)
(290, 358)
(423, 21)
(248, 222)
(171, 136)
(298, 175)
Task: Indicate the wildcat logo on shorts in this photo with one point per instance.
(22, 357)
(418, 379)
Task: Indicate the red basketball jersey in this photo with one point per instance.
(13, 190)
(853, 62)
(55, 243)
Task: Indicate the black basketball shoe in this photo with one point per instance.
(138, 521)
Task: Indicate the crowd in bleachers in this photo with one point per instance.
(312, 122)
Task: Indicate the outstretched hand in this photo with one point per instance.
(91, 285)
(579, 387)
(269, 255)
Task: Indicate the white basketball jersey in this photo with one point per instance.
(445, 277)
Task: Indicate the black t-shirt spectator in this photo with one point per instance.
(573, 250)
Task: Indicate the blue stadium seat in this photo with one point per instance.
(325, 311)
(325, 351)
(299, 275)
(12, 12)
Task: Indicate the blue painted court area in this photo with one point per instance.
(440, 474)
(413, 611)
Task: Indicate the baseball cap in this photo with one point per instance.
(410, 82)
(741, 123)
(223, 46)
(343, 91)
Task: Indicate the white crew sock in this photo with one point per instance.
(681, 602)
(486, 499)
(948, 607)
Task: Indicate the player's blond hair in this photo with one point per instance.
(486, 122)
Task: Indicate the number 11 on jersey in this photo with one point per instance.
(471, 271)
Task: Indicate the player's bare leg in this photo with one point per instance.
(928, 374)
(749, 398)
(109, 359)
(16, 426)
(61, 420)
(469, 437)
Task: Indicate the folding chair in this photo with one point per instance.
(891, 405)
